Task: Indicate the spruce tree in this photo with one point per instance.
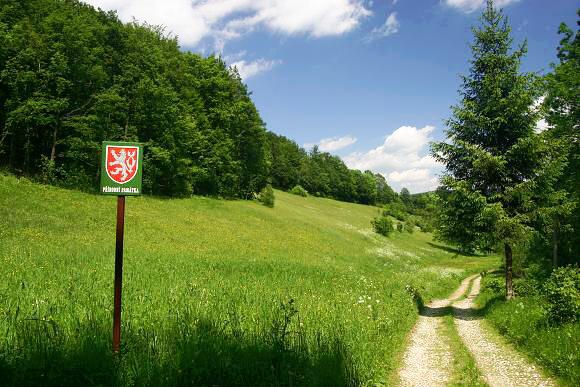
(494, 159)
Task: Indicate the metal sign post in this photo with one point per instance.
(121, 176)
(118, 273)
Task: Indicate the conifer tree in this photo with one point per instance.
(494, 160)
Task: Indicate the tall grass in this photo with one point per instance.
(214, 292)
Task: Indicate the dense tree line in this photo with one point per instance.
(507, 185)
(72, 77)
(323, 174)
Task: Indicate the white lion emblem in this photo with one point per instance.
(126, 162)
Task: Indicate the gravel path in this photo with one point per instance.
(428, 358)
(499, 363)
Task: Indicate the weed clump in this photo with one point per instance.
(415, 295)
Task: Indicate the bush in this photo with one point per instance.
(382, 225)
(526, 287)
(409, 226)
(395, 210)
(495, 285)
(423, 224)
(562, 291)
(299, 190)
(400, 227)
(266, 196)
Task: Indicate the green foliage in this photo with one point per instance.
(410, 226)
(266, 196)
(499, 171)
(382, 225)
(562, 292)
(322, 174)
(399, 227)
(464, 218)
(298, 190)
(72, 77)
(525, 321)
(405, 196)
(397, 210)
(560, 222)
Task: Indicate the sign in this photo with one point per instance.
(121, 175)
(121, 168)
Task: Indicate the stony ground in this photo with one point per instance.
(428, 359)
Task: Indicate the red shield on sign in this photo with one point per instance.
(122, 163)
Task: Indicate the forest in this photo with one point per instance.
(73, 77)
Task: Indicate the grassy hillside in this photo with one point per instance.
(215, 292)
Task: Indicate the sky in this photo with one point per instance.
(371, 81)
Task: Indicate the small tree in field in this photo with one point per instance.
(493, 157)
(267, 196)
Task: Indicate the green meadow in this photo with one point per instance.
(215, 292)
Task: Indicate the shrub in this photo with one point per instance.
(562, 291)
(382, 225)
(299, 190)
(496, 285)
(266, 196)
(526, 287)
(409, 226)
(424, 224)
(400, 227)
(396, 211)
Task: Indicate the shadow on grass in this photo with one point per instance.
(458, 313)
(463, 313)
(203, 353)
(453, 250)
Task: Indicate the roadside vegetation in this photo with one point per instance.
(533, 320)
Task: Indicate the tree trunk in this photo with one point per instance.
(54, 138)
(509, 289)
(555, 247)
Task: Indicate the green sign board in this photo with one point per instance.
(121, 168)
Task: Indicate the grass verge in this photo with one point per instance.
(524, 322)
(465, 371)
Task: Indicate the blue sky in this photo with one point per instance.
(370, 81)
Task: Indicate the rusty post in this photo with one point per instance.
(118, 273)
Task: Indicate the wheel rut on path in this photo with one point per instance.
(499, 363)
(428, 359)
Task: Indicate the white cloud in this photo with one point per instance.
(403, 159)
(390, 27)
(469, 6)
(333, 144)
(194, 20)
(253, 68)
